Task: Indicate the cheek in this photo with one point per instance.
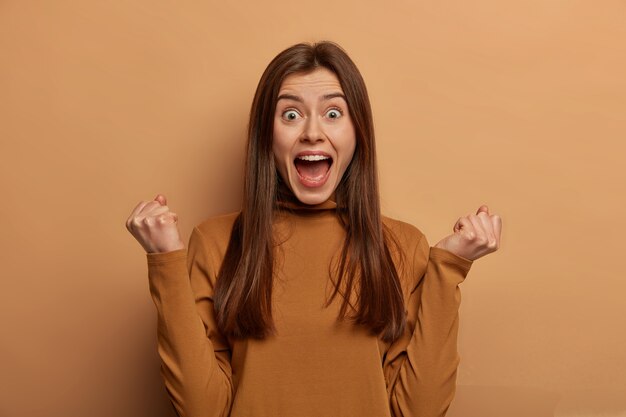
(280, 148)
(346, 143)
(280, 140)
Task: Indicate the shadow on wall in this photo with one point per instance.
(499, 401)
(152, 396)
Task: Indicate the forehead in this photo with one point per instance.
(319, 79)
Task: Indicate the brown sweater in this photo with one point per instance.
(314, 366)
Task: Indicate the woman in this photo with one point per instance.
(249, 322)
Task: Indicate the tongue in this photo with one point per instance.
(312, 169)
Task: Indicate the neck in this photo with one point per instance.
(286, 198)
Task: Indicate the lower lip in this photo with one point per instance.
(314, 184)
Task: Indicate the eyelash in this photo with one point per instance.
(337, 109)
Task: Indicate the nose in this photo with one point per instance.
(312, 131)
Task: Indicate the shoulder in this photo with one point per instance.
(213, 233)
(406, 233)
(217, 226)
(414, 245)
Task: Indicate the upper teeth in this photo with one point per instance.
(313, 157)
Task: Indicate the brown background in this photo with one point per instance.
(519, 104)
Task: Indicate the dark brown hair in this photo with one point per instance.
(243, 290)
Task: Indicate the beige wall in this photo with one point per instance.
(519, 104)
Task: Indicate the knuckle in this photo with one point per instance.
(166, 218)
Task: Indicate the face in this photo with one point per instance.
(314, 138)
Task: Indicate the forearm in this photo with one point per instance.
(194, 381)
(426, 381)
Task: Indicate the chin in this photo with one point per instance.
(311, 195)
(313, 199)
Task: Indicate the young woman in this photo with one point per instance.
(308, 301)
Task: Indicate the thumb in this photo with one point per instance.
(448, 242)
(161, 199)
(483, 208)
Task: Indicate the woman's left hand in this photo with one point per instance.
(475, 235)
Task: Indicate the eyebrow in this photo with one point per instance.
(299, 99)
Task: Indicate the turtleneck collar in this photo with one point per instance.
(286, 199)
(326, 205)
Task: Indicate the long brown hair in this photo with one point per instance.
(243, 290)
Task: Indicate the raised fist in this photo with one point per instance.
(155, 226)
(475, 235)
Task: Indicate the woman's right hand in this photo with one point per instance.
(155, 226)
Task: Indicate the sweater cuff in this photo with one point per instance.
(159, 258)
(451, 258)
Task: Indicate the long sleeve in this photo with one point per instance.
(195, 358)
(420, 367)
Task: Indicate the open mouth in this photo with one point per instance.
(313, 168)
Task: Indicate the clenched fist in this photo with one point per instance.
(475, 235)
(154, 226)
